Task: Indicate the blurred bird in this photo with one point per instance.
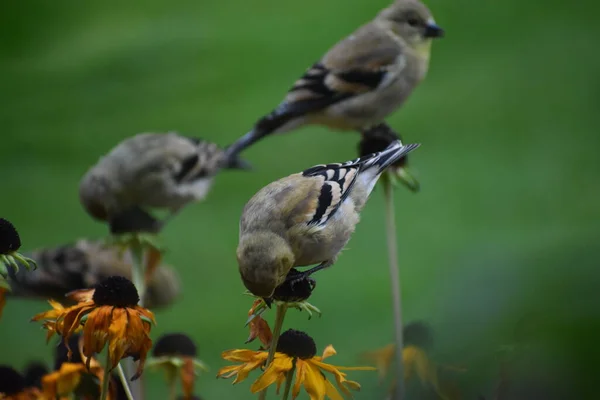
(306, 218)
(81, 265)
(152, 170)
(360, 80)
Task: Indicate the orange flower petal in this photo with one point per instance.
(259, 328)
(2, 299)
(300, 376)
(81, 295)
(188, 376)
(328, 352)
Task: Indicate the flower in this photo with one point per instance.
(295, 350)
(176, 352)
(418, 340)
(73, 377)
(13, 387)
(10, 243)
(377, 139)
(111, 315)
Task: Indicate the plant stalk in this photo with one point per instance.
(124, 382)
(138, 276)
(279, 316)
(289, 377)
(106, 377)
(392, 245)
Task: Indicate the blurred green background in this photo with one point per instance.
(504, 234)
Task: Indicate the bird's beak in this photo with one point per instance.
(433, 31)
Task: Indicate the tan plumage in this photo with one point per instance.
(152, 170)
(81, 265)
(306, 218)
(361, 80)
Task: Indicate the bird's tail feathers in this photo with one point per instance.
(387, 157)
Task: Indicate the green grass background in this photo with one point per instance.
(506, 227)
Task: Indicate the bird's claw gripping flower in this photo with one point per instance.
(376, 139)
(176, 353)
(10, 243)
(297, 350)
(110, 316)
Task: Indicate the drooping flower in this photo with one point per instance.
(295, 350)
(177, 353)
(110, 316)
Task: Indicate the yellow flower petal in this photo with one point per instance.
(328, 352)
(314, 382)
(332, 392)
(300, 376)
(279, 367)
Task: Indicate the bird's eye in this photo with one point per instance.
(413, 21)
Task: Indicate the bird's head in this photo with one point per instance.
(264, 260)
(412, 21)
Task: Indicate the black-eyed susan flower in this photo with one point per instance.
(418, 340)
(13, 386)
(10, 243)
(377, 139)
(295, 350)
(177, 353)
(111, 317)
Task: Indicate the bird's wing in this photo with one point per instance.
(200, 160)
(358, 64)
(336, 182)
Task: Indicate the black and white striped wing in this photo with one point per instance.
(338, 180)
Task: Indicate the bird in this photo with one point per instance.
(82, 264)
(361, 80)
(152, 170)
(306, 218)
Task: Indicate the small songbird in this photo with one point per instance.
(82, 264)
(153, 170)
(360, 80)
(306, 218)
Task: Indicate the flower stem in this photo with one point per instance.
(106, 377)
(289, 377)
(124, 382)
(138, 276)
(279, 316)
(390, 222)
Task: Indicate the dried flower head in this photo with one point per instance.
(109, 314)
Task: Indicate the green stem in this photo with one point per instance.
(138, 276)
(124, 382)
(279, 316)
(390, 224)
(289, 377)
(106, 377)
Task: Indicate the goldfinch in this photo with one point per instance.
(306, 218)
(152, 170)
(82, 264)
(360, 80)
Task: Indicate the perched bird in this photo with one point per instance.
(152, 170)
(360, 80)
(306, 218)
(81, 265)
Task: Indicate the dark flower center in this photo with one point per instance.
(34, 373)
(295, 289)
(297, 344)
(378, 139)
(174, 344)
(116, 291)
(9, 237)
(418, 334)
(11, 382)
